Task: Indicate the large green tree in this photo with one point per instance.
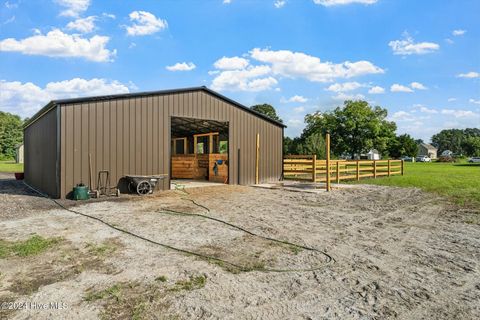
(11, 134)
(455, 140)
(403, 145)
(471, 146)
(267, 110)
(355, 128)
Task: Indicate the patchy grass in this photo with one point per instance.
(103, 249)
(32, 246)
(111, 292)
(135, 300)
(457, 181)
(195, 282)
(10, 166)
(161, 279)
(48, 261)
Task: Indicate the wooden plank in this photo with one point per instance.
(298, 171)
(295, 156)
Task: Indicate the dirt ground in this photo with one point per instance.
(398, 253)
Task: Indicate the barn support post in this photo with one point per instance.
(327, 143)
(256, 158)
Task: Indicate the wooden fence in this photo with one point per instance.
(307, 167)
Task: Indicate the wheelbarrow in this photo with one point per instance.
(143, 185)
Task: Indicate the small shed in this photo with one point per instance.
(373, 155)
(191, 133)
(19, 154)
(425, 149)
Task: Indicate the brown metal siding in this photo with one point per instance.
(40, 146)
(132, 136)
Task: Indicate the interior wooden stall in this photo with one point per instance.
(199, 150)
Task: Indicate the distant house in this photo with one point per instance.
(19, 154)
(425, 149)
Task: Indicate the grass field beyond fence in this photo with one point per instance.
(457, 181)
(10, 166)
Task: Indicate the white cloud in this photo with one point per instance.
(459, 113)
(295, 123)
(474, 101)
(402, 116)
(407, 46)
(11, 5)
(145, 23)
(233, 63)
(329, 3)
(458, 32)
(342, 97)
(344, 87)
(237, 73)
(418, 86)
(376, 90)
(109, 15)
(300, 65)
(399, 88)
(427, 110)
(83, 25)
(470, 75)
(279, 3)
(73, 7)
(299, 109)
(295, 98)
(9, 20)
(227, 1)
(25, 99)
(452, 99)
(182, 66)
(58, 44)
(244, 79)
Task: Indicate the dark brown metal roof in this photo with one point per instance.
(54, 103)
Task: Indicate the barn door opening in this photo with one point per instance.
(199, 152)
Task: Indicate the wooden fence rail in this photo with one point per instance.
(307, 167)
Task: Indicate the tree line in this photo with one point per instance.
(357, 127)
(11, 135)
(461, 142)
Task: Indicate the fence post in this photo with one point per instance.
(374, 169)
(358, 170)
(389, 167)
(327, 142)
(314, 168)
(338, 172)
(403, 165)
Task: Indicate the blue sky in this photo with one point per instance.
(418, 59)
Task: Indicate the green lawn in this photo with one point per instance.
(459, 182)
(10, 166)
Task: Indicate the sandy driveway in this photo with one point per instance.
(399, 253)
